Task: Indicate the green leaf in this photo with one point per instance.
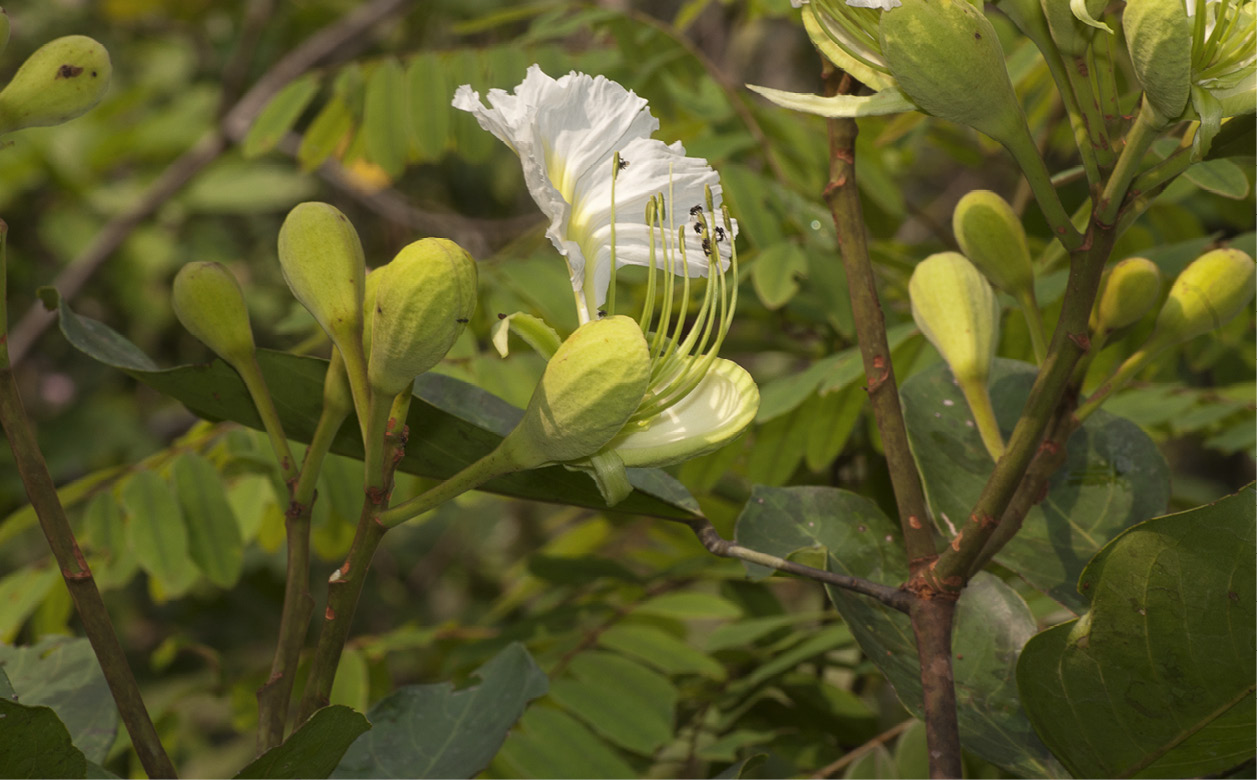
(452, 423)
(776, 271)
(1113, 476)
(325, 134)
(437, 731)
(1221, 177)
(312, 750)
(1236, 139)
(21, 593)
(1157, 679)
(690, 605)
(63, 673)
(279, 115)
(34, 743)
(385, 120)
(430, 96)
(992, 621)
(213, 533)
(551, 743)
(660, 649)
(233, 186)
(620, 699)
(833, 418)
(887, 101)
(156, 531)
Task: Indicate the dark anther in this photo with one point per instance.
(623, 163)
(720, 233)
(706, 247)
(501, 316)
(698, 227)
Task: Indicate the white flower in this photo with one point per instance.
(567, 133)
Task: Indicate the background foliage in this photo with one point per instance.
(661, 659)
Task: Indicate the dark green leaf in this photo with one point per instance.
(551, 743)
(280, 115)
(385, 121)
(690, 605)
(62, 673)
(1221, 177)
(620, 699)
(325, 134)
(1237, 139)
(1157, 679)
(437, 731)
(236, 187)
(34, 743)
(156, 532)
(312, 750)
(1113, 476)
(660, 649)
(992, 621)
(213, 533)
(430, 96)
(452, 423)
(743, 768)
(833, 418)
(21, 593)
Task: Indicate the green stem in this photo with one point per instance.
(1034, 323)
(251, 373)
(1146, 129)
(373, 444)
(495, 464)
(979, 400)
(356, 370)
(1079, 74)
(1132, 365)
(1069, 343)
(1023, 149)
(275, 695)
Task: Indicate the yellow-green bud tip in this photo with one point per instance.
(208, 301)
(1205, 296)
(992, 237)
(323, 264)
(422, 303)
(1128, 291)
(63, 79)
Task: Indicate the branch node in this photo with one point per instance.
(1081, 340)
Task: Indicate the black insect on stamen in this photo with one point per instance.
(623, 163)
(720, 233)
(463, 320)
(698, 227)
(695, 210)
(601, 314)
(706, 247)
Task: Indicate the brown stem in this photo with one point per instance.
(78, 578)
(932, 625)
(851, 756)
(718, 545)
(844, 204)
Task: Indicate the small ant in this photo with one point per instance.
(720, 233)
(695, 210)
(623, 163)
(601, 314)
(706, 247)
(698, 227)
(462, 320)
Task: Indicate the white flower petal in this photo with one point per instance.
(885, 5)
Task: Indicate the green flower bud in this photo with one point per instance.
(1204, 297)
(1127, 292)
(1073, 28)
(955, 308)
(63, 79)
(323, 264)
(947, 59)
(1159, 38)
(208, 301)
(590, 388)
(993, 239)
(423, 301)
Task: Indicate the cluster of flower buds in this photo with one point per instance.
(61, 80)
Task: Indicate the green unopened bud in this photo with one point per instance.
(1205, 296)
(208, 301)
(1073, 24)
(947, 59)
(1128, 291)
(956, 309)
(63, 79)
(992, 237)
(590, 388)
(423, 301)
(323, 264)
(1159, 38)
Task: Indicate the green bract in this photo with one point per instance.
(946, 57)
(423, 300)
(1128, 291)
(955, 308)
(590, 388)
(208, 301)
(323, 264)
(63, 79)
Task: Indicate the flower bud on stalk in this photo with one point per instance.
(208, 301)
(63, 79)
(1073, 23)
(1128, 291)
(992, 237)
(1159, 38)
(323, 264)
(1204, 297)
(955, 308)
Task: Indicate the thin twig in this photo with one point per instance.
(851, 756)
(717, 545)
(235, 124)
